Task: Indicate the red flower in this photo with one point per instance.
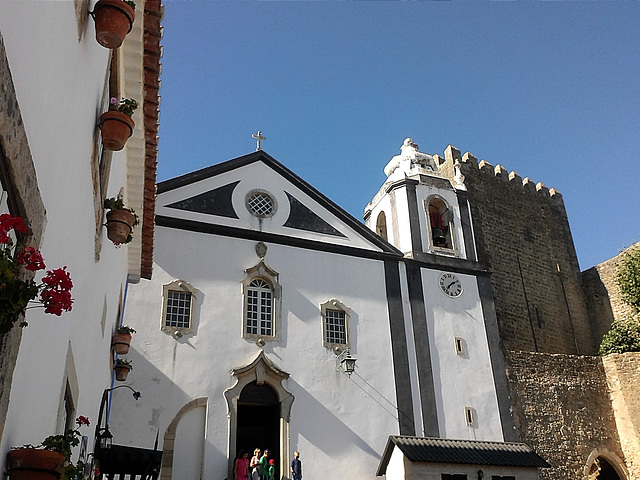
(31, 258)
(82, 420)
(56, 297)
(8, 222)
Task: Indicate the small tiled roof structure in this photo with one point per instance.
(468, 452)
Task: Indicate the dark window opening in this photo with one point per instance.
(440, 221)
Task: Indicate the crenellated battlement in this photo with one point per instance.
(470, 166)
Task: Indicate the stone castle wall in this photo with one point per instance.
(602, 295)
(623, 379)
(523, 236)
(562, 409)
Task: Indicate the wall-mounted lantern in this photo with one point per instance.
(346, 362)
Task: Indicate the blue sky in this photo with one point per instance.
(548, 89)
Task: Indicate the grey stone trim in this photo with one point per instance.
(233, 232)
(509, 431)
(21, 183)
(414, 216)
(214, 202)
(414, 213)
(404, 402)
(465, 219)
(423, 352)
(302, 218)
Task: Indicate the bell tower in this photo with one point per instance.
(419, 210)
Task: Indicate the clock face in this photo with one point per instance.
(450, 285)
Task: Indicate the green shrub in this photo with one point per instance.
(624, 336)
(628, 278)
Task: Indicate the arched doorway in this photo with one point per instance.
(603, 464)
(258, 420)
(260, 411)
(603, 470)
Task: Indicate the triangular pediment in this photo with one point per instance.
(257, 195)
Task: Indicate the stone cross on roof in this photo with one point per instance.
(258, 136)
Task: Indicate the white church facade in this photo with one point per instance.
(276, 320)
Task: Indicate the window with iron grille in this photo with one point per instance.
(260, 204)
(259, 309)
(335, 324)
(178, 311)
(335, 327)
(178, 308)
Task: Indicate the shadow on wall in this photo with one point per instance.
(598, 303)
(322, 428)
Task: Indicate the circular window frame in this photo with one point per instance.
(253, 192)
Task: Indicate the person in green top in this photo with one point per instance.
(264, 465)
(272, 469)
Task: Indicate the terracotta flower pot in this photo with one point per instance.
(114, 19)
(121, 343)
(119, 225)
(116, 129)
(122, 370)
(34, 464)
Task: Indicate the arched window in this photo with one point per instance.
(440, 223)
(259, 319)
(381, 225)
(261, 298)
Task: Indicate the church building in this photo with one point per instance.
(275, 320)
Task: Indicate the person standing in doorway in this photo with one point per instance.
(254, 465)
(241, 469)
(296, 466)
(264, 465)
(272, 469)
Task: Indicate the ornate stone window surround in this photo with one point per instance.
(180, 287)
(335, 306)
(265, 273)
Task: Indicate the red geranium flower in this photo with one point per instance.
(31, 259)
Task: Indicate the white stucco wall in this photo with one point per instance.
(460, 380)
(60, 83)
(335, 419)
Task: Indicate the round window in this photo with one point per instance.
(260, 204)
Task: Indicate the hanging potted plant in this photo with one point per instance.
(51, 460)
(116, 123)
(122, 368)
(16, 290)
(114, 20)
(122, 340)
(120, 221)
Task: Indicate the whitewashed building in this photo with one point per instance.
(264, 291)
(55, 81)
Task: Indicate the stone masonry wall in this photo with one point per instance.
(602, 295)
(523, 236)
(623, 379)
(562, 410)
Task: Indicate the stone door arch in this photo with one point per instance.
(603, 464)
(262, 371)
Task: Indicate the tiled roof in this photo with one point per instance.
(469, 452)
(153, 12)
